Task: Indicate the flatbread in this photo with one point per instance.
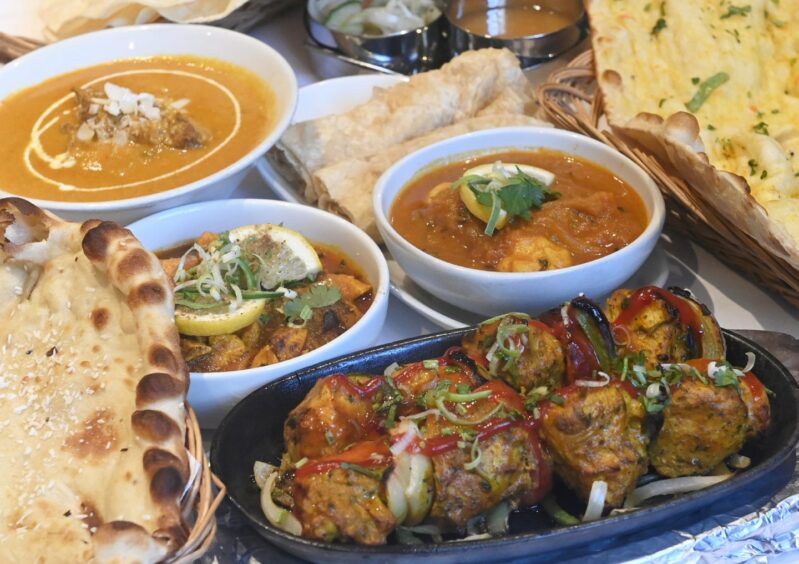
(92, 391)
(428, 101)
(741, 146)
(346, 187)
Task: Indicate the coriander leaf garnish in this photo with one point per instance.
(300, 309)
(705, 89)
(659, 26)
(736, 11)
(761, 128)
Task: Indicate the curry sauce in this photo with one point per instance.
(232, 107)
(595, 214)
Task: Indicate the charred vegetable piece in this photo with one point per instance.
(584, 333)
(331, 417)
(597, 434)
(520, 351)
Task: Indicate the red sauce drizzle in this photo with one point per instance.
(368, 454)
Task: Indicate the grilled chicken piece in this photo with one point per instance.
(541, 362)
(506, 471)
(343, 504)
(221, 353)
(597, 434)
(705, 423)
(656, 330)
(331, 417)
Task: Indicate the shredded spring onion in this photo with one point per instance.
(594, 383)
(457, 420)
(477, 456)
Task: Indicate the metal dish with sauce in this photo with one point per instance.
(533, 31)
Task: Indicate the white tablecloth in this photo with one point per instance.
(737, 302)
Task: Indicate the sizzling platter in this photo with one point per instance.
(238, 445)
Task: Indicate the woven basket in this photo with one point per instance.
(570, 99)
(200, 503)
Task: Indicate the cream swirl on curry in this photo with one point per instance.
(130, 128)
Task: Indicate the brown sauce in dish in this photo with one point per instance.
(509, 21)
(595, 215)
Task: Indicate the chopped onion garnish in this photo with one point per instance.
(422, 415)
(653, 390)
(596, 501)
(301, 462)
(739, 461)
(457, 420)
(431, 530)
(670, 487)
(391, 369)
(750, 362)
(624, 332)
(594, 383)
(564, 315)
(280, 517)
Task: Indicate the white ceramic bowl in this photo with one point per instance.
(213, 394)
(151, 40)
(491, 293)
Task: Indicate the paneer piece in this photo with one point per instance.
(288, 342)
(541, 362)
(343, 504)
(332, 416)
(508, 470)
(655, 330)
(351, 288)
(597, 434)
(534, 254)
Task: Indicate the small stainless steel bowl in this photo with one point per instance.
(530, 49)
(404, 52)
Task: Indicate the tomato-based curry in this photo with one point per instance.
(594, 213)
(130, 128)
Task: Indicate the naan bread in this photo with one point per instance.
(92, 391)
(428, 101)
(345, 188)
(741, 145)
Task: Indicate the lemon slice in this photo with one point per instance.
(483, 213)
(288, 256)
(221, 321)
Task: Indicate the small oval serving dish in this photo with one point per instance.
(213, 393)
(484, 287)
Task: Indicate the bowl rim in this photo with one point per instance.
(575, 22)
(381, 285)
(120, 33)
(652, 230)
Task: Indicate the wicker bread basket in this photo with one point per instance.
(571, 100)
(200, 502)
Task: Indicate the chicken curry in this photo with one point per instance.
(261, 294)
(519, 211)
(130, 128)
(451, 445)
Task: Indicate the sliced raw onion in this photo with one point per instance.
(421, 415)
(391, 369)
(261, 471)
(430, 530)
(750, 362)
(395, 490)
(497, 519)
(594, 383)
(280, 517)
(670, 487)
(411, 431)
(739, 461)
(596, 501)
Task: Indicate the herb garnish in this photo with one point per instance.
(515, 194)
(705, 89)
(752, 167)
(736, 11)
(761, 128)
(659, 26)
(300, 309)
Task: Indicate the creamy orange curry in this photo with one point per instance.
(130, 128)
(552, 210)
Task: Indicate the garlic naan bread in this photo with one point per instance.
(92, 391)
(712, 88)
